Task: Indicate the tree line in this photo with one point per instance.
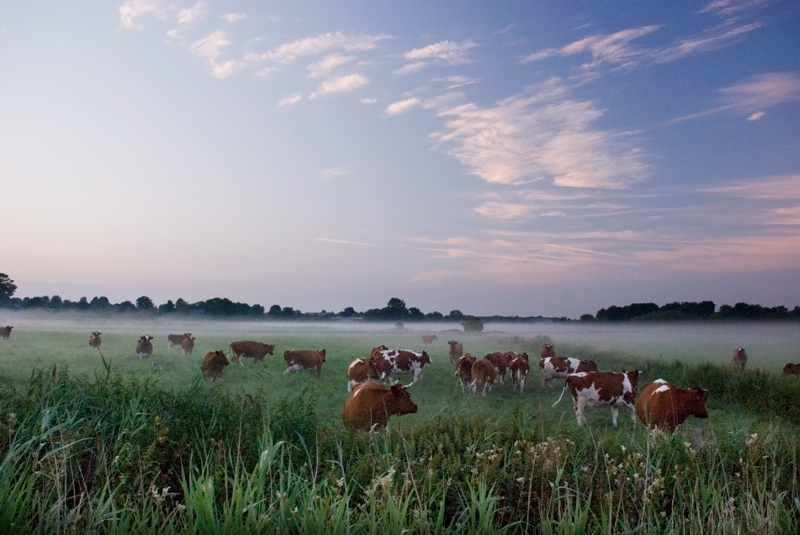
(692, 311)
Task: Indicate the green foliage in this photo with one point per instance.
(472, 324)
(7, 289)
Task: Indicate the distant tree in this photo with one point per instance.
(82, 304)
(7, 289)
(415, 314)
(56, 302)
(99, 303)
(288, 312)
(587, 317)
(396, 309)
(472, 324)
(144, 303)
(35, 302)
(125, 306)
(274, 311)
(455, 315)
(434, 316)
(348, 312)
(257, 310)
(167, 307)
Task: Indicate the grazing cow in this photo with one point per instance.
(255, 350)
(371, 403)
(5, 332)
(429, 338)
(176, 339)
(304, 359)
(560, 367)
(376, 351)
(456, 351)
(547, 351)
(664, 406)
(791, 369)
(361, 370)
(144, 347)
(401, 361)
(519, 368)
(739, 357)
(594, 389)
(464, 371)
(95, 341)
(500, 362)
(214, 364)
(483, 375)
(187, 345)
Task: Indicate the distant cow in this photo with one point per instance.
(456, 351)
(464, 371)
(739, 357)
(176, 339)
(254, 350)
(500, 362)
(401, 361)
(95, 341)
(359, 371)
(484, 374)
(5, 332)
(791, 369)
(144, 347)
(214, 364)
(519, 368)
(304, 359)
(187, 345)
(664, 406)
(429, 338)
(547, 351)
(595, 389)
(560, 367)
(370, 404)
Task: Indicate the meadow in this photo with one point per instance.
(110, 443)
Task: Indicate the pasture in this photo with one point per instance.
(107, 442)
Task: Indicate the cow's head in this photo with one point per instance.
(402, 400)
(425, 358)
(698, 397)
(547, 350)
(323, 355)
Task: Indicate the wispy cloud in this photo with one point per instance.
(780, 188)
(734, 7)
(445, 52)
(341, 84)
(401, 106)
(233, 17)
(187, 17)
(210, 49)
(756, 116)
(346, 242)
(291, 100)
(133, 9)
(334, 172)
(326, 65)
(454, 82)
(320, 44)
(715, 38)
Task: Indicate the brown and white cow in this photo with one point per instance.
(596, 389)
(456, 351)
(429, 338)
(144, 347)
(370, 405)
(464, 371)
(187, 345)
(176, 339)
(376, 351)
(500, 362)
(519, 368)
(664, 406)
(359, 371)
(214, 364)
(304, 359)
(401, 361)
(547, 351)
(560, 367)
(254, 350)
(791, 369)
(739, 357)
(5, 332)
(95, 341)
(484, 374)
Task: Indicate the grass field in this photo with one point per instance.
(111, 443)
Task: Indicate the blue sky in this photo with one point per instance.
(532, 158)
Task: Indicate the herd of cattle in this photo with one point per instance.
(660, 405)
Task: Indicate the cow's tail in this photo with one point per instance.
(561, 396)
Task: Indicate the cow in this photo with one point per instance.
(304, 359)
(791, 369)
(500, 363)
(429, 338)
(519, 368)
(595, 389)
(187, 345)
(483, 375)
(401, 361)
(144, 347)
(456, 351)
(255, 350)
(361, 370)
(5, 332)
(464, 371)
(739, 357)
(95, 341)
(376, 351)
(560, 367)
(176, 339)
(370, 405)
(547, 350)
(214, 364)
(664, 406)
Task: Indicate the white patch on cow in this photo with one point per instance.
(573, 363)
(663, 388)
(414, 366)
(354, 363)
(294, 368)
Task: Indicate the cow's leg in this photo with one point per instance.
(614, 414)
(633, 413)
(579, 406)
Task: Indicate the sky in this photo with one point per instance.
(516, 158)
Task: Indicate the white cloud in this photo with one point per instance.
(133, 9)
(446, 51)
(345, 242)
(341, 84)
(369, 100)
(454, 82)
(233, 17)
(326, 65)
(732, 7)
(713, 39)
(763, 91)
(290, 101)
(605, 48)
(411, 67)
(401, 106)
(190, 14)
(209, 49)
(499, 210)
(756, 116)
(334, 172)
(314, 46)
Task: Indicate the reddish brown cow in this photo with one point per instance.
(464, 371)
(547, 351)
(144, 347)
(214, 364)
(254, 350)
(519, 368)
(560, 367)
(361, 370)
(376, 351)
(95, 341)
(5, 332)
(187, 345)
(304, 359)
(176, 339)
(739, 357)
(429, 338)
(371, 404)
(456, 351)
(401, 361)
(791, 369)
(500, 362)
(595, 389)
(483, 375)
(664, 406)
